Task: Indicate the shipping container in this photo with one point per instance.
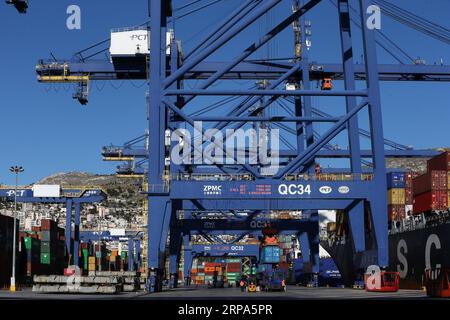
(440, 162)
(409, 196)
(46, 258)
(430, 181)
(396, 180)
(430, 201)
(6, 248)
(48, 225)
(396, 212)
(396, 196)
(270, 254)
(409, 177)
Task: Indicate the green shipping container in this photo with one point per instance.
(45, 247)
(27, 241)
(45, 258)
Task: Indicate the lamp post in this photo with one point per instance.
(16, 170)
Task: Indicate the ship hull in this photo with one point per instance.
(410, 253)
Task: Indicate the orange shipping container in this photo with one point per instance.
(396, 212)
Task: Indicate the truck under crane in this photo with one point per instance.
(269, 276)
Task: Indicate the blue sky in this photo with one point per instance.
(46, 131)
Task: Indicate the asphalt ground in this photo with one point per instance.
(202, 293)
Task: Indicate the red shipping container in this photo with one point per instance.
(48, 225)
(396, 212)
(409, 179)
(433, 180)
(409, 198)
(430, 201)
(440, 162)
(233, 269)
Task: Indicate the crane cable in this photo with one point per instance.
(356, 23)
(414, 21)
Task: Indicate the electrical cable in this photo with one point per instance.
(197, 9)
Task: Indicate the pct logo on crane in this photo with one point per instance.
(325, 190)
(212, 190)
(11, 193)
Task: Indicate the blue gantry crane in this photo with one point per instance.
(130, 150)
(72, 197)
(133, 152)
(210, 186)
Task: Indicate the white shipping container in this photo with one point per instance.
(46, 191)
(129, 43)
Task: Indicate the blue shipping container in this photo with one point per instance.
(396, 180)
(270, 254)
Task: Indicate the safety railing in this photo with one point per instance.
(125, 29)
(158, 188)
(247, 177)
(330, 177)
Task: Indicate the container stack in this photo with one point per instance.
(30, 251)
(123, 262)
(270, 254)
(84, 246)
(286, 247)
(52, 247)
(430, 191)
(396, 185)
(200, 274)
(409, 194)
(6, 244)
(100, 256)
(233, 270)
(442, 163)
(91, 264)
(210, 269)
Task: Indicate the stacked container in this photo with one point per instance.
(91, 264)
(442, 162)
(30, 248)
(50, 255)
(84, 256)
(233, 270)
(100, 256)
(270, 254)
(409, 194)
(200, 277)
(430, 191)
(396, 195)
(6, 244)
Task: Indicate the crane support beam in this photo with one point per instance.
(105, 70)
